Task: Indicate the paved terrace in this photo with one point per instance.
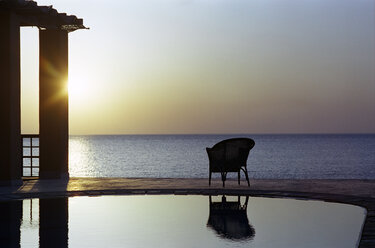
(356, 192)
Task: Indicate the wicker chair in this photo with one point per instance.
(229, 156)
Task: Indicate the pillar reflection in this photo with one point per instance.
(53, 222)
(10, 223)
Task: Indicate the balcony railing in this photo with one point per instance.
(30, 155)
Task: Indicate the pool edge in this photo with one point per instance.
(354, 192)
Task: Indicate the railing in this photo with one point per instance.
(30, 155)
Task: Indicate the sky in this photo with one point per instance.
(213, 66)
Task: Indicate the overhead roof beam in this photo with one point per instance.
(43, 17)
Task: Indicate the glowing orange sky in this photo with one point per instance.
(163, 66)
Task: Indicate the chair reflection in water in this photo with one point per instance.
(229, 155)
(229, 219)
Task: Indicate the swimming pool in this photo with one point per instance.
(179, 221)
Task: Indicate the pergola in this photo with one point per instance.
(53, 97)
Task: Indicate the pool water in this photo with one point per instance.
(179, 221)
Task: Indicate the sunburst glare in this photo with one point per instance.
(81, 91)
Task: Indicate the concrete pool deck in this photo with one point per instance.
(355, 192)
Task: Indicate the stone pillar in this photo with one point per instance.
(53, 222)
(53, 104)
(10, 109)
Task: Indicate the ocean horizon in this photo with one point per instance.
(275, 156)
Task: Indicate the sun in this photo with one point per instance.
(80, 90)
(77, 87)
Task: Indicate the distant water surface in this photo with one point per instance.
(184, 156)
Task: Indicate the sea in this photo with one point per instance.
(284, 156)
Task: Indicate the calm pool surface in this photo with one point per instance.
(179, 221)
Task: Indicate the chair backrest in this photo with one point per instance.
(231, 153)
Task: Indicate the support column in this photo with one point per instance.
(10, 109)
(53, 104)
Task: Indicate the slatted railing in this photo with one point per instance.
(30, 155)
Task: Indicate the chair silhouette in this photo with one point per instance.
(229, 155)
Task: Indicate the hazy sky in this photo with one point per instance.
(214, 66)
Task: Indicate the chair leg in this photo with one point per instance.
(239, 177)
(209, 179)
(247, 177)
(223, 177)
